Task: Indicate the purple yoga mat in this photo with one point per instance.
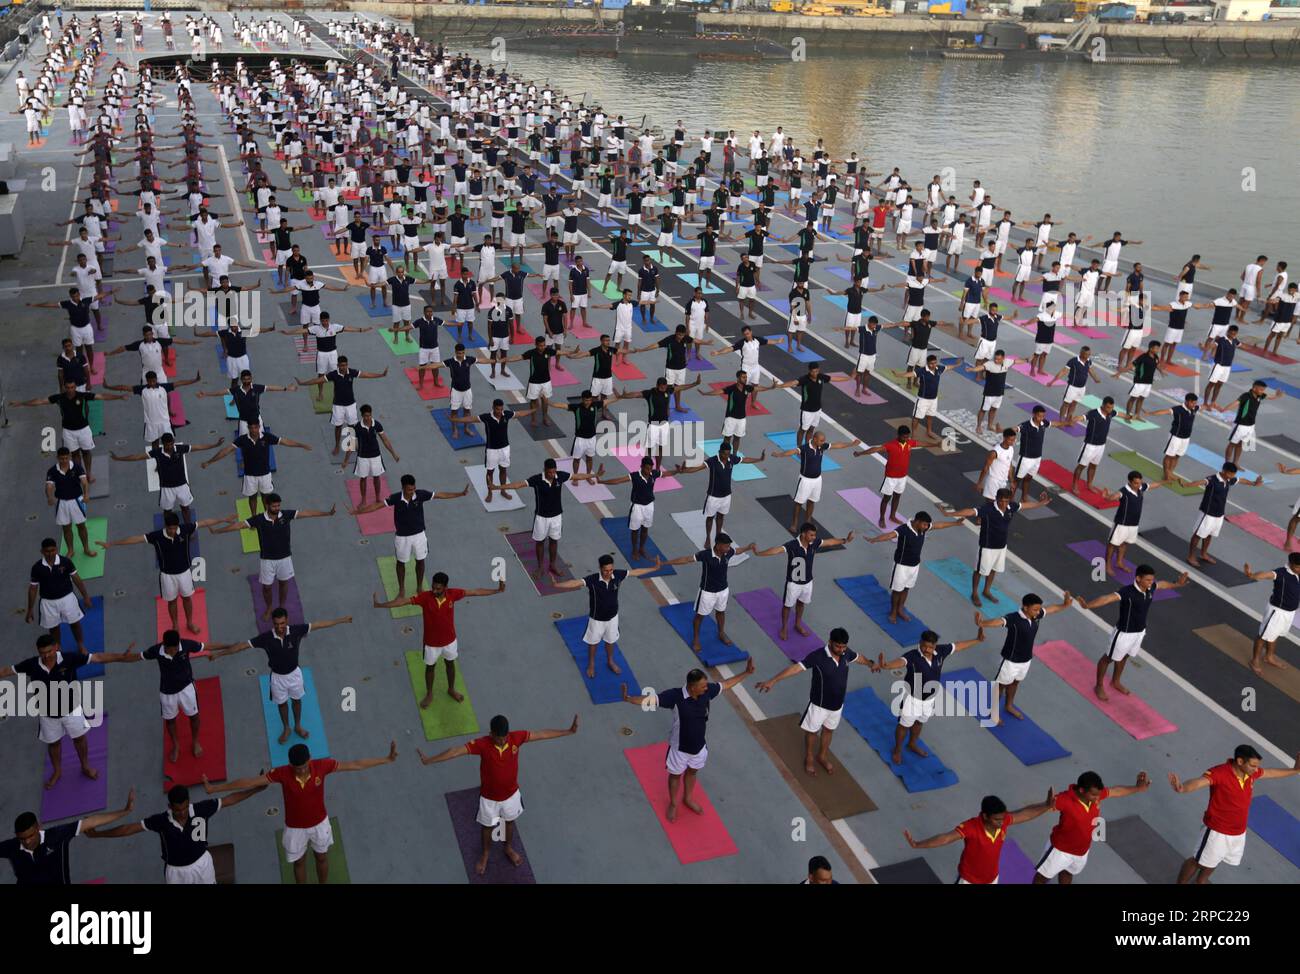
(463, 806)
(1014, 868)
(866, 502)
(75, 794)
(1088, 550)
(292, 602)
(765, 606)
(526, 551)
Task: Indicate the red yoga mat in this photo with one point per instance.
(376, 522)
(428, 391)
(200, 603)
(189, 770)
(1058, 475)
(695, 838)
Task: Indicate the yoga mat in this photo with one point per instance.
(700, 365)
(764, 606)
(444, 717)
(100, 487)
(871, 597)
(312, 721)
(1258, 350)
(1022, 368)
(782, 507)
(875, 720)
(1023, 738)
(75, 794)
(96, 531)
(741, 472)
(338, 862)
(631, 461)
(583, 492)
(1014, 867)
(692, 524)
(92, 634)
(713, 652)
(804, 354)
(247, 536)
(909, 872)
(866, 502)
(463, 808)
(849, 389)
(477, 474)
(617, 529)
(694, 281)
(190, 770)
(428, 391)
(955, 573)
(522, 544)
(1053, 416)
(1215, 462)
(1131, 712)
(403, 343)
(1276, 826)
(469, 437)
(627, 371)
(785, 440)
(505, 380)
(1239, 647)
(1153, 472)
(388, 576)
(1256, 526)
(1092, 402)
(239, 458)
(754, 409)
(320, 405)
(1221, 571)
(292, 602)
(1052, 471)
(376, 522)
(604, 687)
(836, 795)
(694, 838)
(200, 603)
(1144, 849)
(1091, 550)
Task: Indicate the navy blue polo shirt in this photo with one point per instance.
(1134, 604)
(1215, 499)
(1031, 440)
(172, 554)
(720, 475)
(47, 864)
(64, 671)
(602, 595)
(907, 549)
(1286, 590)
(426, 330)
(924, 675)
(497, 436)
(54, 581)
(810, 460)
(461, 371)
(272, 536)
(830, 677)
(183, 845)
(547, 494)
(1129, 512)
(799, 560)
(408, 516)
(1021, 633)
(1076, 372)
(927, 382)
(643, 488)
(690, 717)
(995, 525)
(171, 466)
(256, 455)
(174, 672)
(67, 483)
(1098, 428)
(713, 570)
(281, 654)
(1182, 420)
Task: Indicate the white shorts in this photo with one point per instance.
(369, 467)
(81, 439)
(408, 546)
(809, 420)
(434, 653)
(169, 497)
(746, 293)
(990, 403)
(174, 703)
(53, 729)
(180, 585)
(656, 435)
(992, 560)
(601, 631)
(579, 300)
(924, 408)
(912, 312)
(707, 602)
(1123, 534)
(809, 489)
(1043, 348)
(547, 527)
(376, 275)
(675, 377)
(275, 570)
(914, 710)
(1074, 393)
(536, 389)
(583, 447)
(1245, 435)
(1219, 373)
(714, 506)
(1140, 390)
(797, 592)
(357, 250)
(1009, 672)
(1054, 862)
(462, 399)
(1109, 267)
(866, 363)
(817, 719)
(602, 387)
(985, 349)
(664, 240)
(678, 762)
(903, 577)
(1028, 467)
(55, 611)
(401, 312)
(649, 297)
(797, 323)
(83, 336)
(707, 263)
(287, 686)
(1177, 446)
(1275, 624)
(1132, 338)
(1217, 849)
(492, 813)
(295, 841)
(201, 872)
(1208, 526)
(496, 458)
(1091, 454)
(343, 415)
(641, 516)
(1124, 644)
(69, 512)
(1173, 336)
(154, 431)
(257, 485)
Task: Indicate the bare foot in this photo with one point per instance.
(591, 672)
(455, 694)
(515, 858)
(881, 522)
(692, 806)
(1191, 560)
(1014, 712)
(975, 600)
(671, 814)
(1100, 691)
(613, 667)
(284, 736)
(801, 629)
(91, 554)
(301, 731)
(808, 767)
(783, 635)
(1119, 687)
(424, 702)
(825, 763)
(916, 748)
(897, 757)
(902, 614)
(893, 619)
(174, 754)
(724, 638)
(1274, 661)
(54, 779)
(192, 628)
(697, 647)
(1209, 560)
(554, 572)
(480, 867)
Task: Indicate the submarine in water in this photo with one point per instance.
(653, 31)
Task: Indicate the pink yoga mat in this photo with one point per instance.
(562, 377)
(177, 409)
(1083, 331)
(866, 502)
(627, 371)
(631, 461)
(97, 372)
(75, 794)
(1023, 369)
(695, 838)
(1131, 712)
(869, 398)
(1254, 525)
(583, 492)
(376, 522)
(1002, 294)
(578, 330)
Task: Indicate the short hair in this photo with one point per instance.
(1031, 599)
(272, 499)
(280, 613)
(48, 543)
(549, 464)
(817, 864)
(992, 805)
(1108, 401)
(923, 517)
(695, 676)
(178, 794)
(839, 635)
(1230, 467)
(299, 755)
(1244, 752)
(1089, 780)
(25, 821)
(1006, 492)
(929, 636)
(408, 480)
(439, 578)
(1144, 570)
(604, 560)
(171, 637)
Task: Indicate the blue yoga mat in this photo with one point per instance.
(694, 280)
(229, 400)
(617, 529)
(1293, 392)
(604, 687)
(712, 651)
(871, 597)
(1276, 826)
(376, 310)
(194, 538)
(786, 440)
(1215, 462)
(872, 717)
(654, 324)
(312, 722)
(687, 415)
(839, 300)
(1196, 352)
(955, 573)
(92, 631)
(804, 354)
(741, 471)
(469, 435)
(1023, 738)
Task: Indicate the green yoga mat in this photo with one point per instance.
(96, 416)
(339, 875)
(610, 290)
(388, 575)
(247, 536)
(404, 344)
(96, 530)
(444, 717)
(1152, 471)
(320, 404)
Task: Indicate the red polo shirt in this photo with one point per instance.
(1073, 831)
(498, 767)
(1230, 795)
(439, 616)
(304, 802)
(879, 214)
(982, 852)
(899, 457)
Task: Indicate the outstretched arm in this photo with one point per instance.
(364, 763)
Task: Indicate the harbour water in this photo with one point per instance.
(1186, 159)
